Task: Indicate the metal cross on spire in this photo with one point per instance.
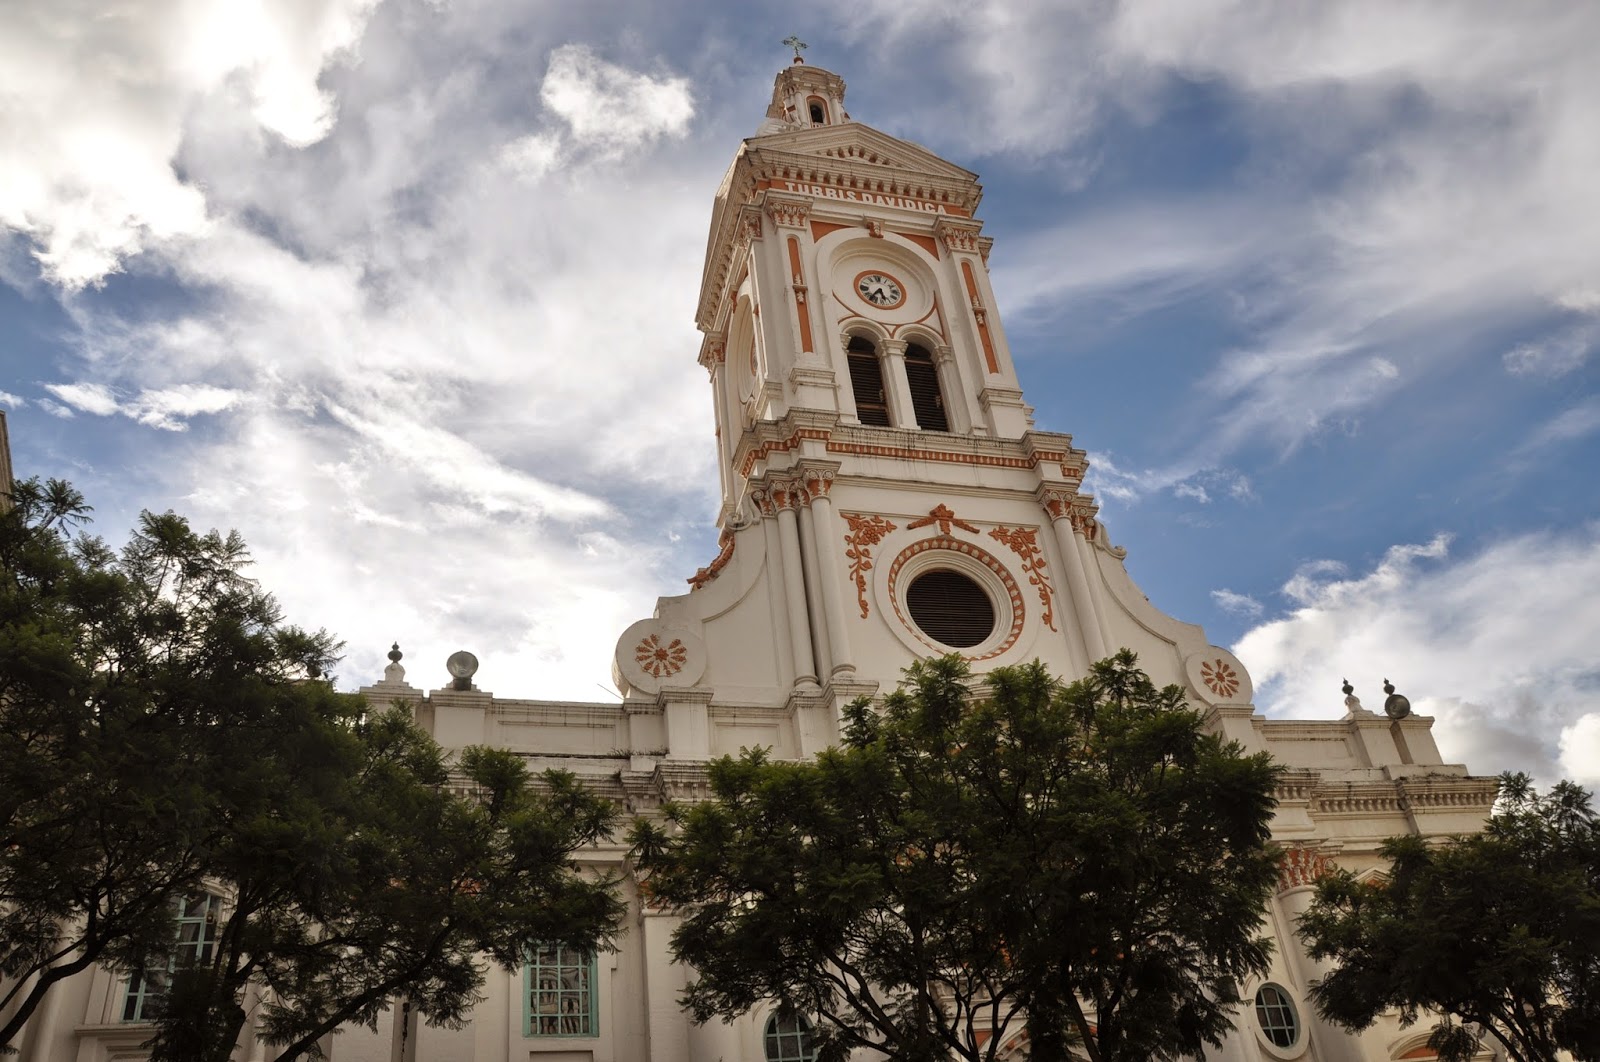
(792, 41)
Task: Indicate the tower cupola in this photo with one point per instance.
(805, 97)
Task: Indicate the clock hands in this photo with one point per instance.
(878, 290)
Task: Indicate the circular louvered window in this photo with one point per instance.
(951, 608)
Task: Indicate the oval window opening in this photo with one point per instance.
(951, 608)
(1276, 1015)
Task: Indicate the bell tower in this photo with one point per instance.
(885, 495)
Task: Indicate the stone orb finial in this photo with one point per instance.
(1396, 706)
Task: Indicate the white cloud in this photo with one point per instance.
(1580, 750)
(169, 408)
(165, 408)
(96, 101)
(12, 401)
(87, 397)
(609, 107)
(1415, 176)
(1237, 604)
(1470, 640)
(532, 156)
(436, 402)
(1192, 490)
(1553, 357)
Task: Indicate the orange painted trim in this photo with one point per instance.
(927, 243)
(800, 295)
(910, 454)
(819, 229)
(859, 197)
(983, 324)
(835, 446)
(779, 446)
(1420, 1052)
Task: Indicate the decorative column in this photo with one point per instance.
(1302, 865)
(713, 355)
(1058, 504)
(785, 499)
(819, 481)
(809, 568)
(955, 396)
(665, 981)
(901, 410)
(1086, 529)
(789, 214)
(778, 606)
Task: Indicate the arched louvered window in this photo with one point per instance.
(866, 382)
(818, 109)
(926, 399)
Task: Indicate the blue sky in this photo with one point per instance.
(403, 290)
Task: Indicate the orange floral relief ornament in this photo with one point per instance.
(1220, 677)
(660, 660)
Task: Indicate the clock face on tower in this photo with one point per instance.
(880, 289)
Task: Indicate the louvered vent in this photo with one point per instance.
(926, 399)
(866, 381)
(950, 608)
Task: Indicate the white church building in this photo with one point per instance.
(885, 496)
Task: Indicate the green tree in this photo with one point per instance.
(1498, 932)
(376, 879)
(164, 733)
(101, 825)
(1081, 861)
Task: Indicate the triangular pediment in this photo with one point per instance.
(854, 144)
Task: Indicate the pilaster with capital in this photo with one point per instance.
(955, 395)
(816, 612)
(787, 211)
(1301, 866)
(818, 479)
(789, 215)
(785, 496)
(1059, 505)
(898, 390)
(778, 600)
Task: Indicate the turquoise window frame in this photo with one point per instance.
(571, 1010)
(193, 938)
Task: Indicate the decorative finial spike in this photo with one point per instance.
(793, 41)
(1347, 688)
(1388, 687)
(394, 653)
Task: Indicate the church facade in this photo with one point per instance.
(885, 496)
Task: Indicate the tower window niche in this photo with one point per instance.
(866, 382)
(922, 376)
(818, 110)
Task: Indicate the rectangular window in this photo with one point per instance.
(196, 937)
(561, 992)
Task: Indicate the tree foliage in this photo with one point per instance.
(1498, 932)
(163, 732)
(1081, 861)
